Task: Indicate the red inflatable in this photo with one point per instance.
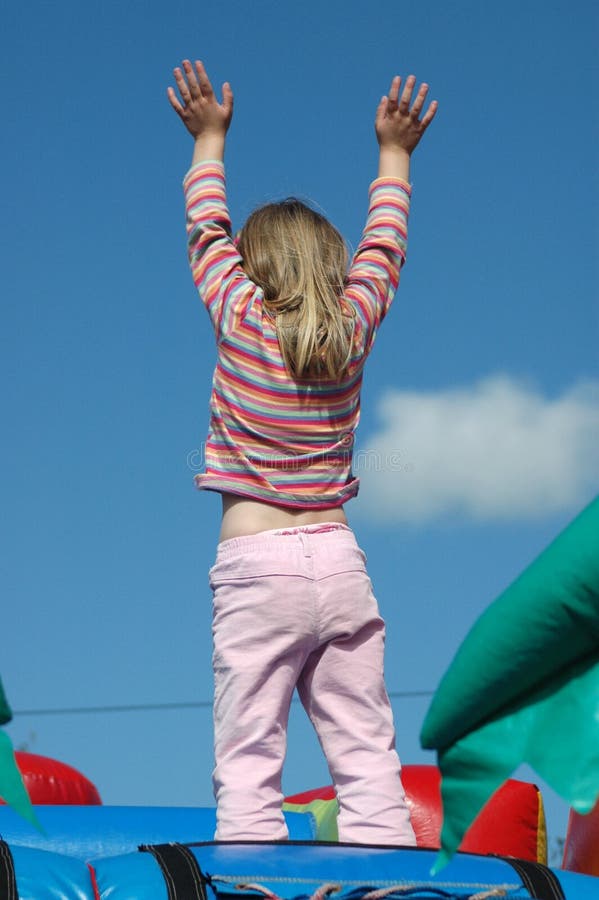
(53, 783)
(581, 850)
(511, 824)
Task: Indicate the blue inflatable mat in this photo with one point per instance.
(87, 832)
(40, 875)
(295, 870)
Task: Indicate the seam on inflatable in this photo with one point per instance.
(94, 881)
(541, 831)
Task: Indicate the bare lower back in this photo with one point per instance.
(242, 516)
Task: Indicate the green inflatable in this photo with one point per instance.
(524, 687)
(12, 789)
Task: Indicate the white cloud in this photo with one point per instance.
(495, 450)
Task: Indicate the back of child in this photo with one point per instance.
(293, 606)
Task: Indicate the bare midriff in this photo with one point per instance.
(242, 517)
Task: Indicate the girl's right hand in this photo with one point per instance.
(397, 126)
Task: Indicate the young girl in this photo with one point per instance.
(293, 604)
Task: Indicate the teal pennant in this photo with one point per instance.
(524, 687)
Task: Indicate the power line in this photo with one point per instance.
(165, 707)
(116, 708)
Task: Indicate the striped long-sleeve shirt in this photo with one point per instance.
(273, 437)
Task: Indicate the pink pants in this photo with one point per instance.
(295, 608)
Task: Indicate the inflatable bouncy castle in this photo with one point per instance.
(91, 852)
(524, 686)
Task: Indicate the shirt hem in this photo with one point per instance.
(286, 501)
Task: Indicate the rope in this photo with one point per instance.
(266, 892)
(330, 887)
(484, 895)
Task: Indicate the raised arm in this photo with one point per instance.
(374, 273)
(215, 262)
(399, 128)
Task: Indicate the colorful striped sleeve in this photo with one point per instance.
(373, 276)
(215, 262)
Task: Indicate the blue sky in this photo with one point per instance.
(484, 382)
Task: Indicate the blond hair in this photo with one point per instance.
(299, 260)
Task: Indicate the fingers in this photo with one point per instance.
(174, 101)
(193, 83)
(402, 105)
(418, 104)
(419, 101)
(190, 86)
(381, 112)
(394, 92)
(429, 114)
(406, 96)
(194, 87)
(203, 80)
(182, 85)
(227, 98)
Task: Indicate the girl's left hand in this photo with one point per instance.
(200, 111)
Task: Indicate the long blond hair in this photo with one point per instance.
(299, 260)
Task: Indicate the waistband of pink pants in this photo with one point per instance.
(317, 528)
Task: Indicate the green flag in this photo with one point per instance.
(5, 711)
(524, 686)
(12, 789)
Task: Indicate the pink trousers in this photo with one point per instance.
(295, 609)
